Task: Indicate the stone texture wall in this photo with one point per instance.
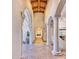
(17, 7)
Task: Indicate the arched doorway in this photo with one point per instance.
(26, 27)
(39, 35)
(26, 30)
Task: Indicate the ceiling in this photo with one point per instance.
(38, 5)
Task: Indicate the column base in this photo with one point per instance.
(30, 43)
(47, 44)
(55, 53)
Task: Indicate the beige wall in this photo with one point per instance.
(16, 30)
(51, 9)
(17, 7)
(38, 20)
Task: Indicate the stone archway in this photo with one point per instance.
(26, 27)
(50, 24)
(50, 31)
(26, 30)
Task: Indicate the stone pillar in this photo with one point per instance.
(30, 38)
(47, 35)
(60, 34)
(55, 50)
(31, 34)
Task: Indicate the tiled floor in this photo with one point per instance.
(39, 52)
(39, 41)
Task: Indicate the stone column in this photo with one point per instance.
(31, 35)
(60, 34)
(55, 50)
(30, 38)
(47, 35)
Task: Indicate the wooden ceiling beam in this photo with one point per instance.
(45, 1)
(38, 11)
(34, 0)
(38, 5)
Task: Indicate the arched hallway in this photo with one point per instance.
(41, 29)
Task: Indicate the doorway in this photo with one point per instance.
(39, 35)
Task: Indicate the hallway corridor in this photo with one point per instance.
(37, 28)
(40, 52)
